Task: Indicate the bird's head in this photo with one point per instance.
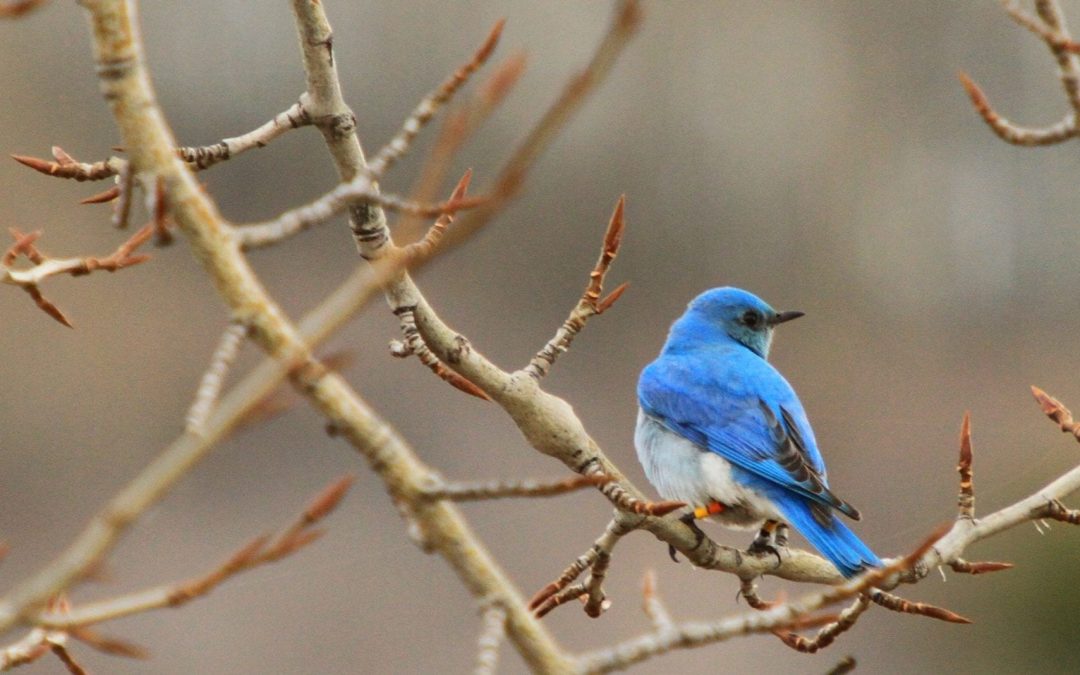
(736, 313)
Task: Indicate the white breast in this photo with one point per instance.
(686, 472)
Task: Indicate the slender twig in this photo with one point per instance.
(590, 303)
(44, 267)
(413, 344)
(214, 378)
(596, 560)
(1050, 27)
(359, 191)
(260, 551)
(426, 109)
(828, 633)
(462, 492)
(458, 126)
(203, 157)
(898, 604)
(65, 166)
(653, 606)
(787, 615)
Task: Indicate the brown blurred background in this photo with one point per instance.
(820, 154)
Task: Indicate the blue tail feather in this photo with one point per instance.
(832, 539)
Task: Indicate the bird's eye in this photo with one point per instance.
(751, 319)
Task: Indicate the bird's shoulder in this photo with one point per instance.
(725, 371)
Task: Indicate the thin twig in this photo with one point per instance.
(1050, 28)
(260, 551)
(44, 267)
(214, 378)
(829, 632)
(590, 303)
(203, 157)
(426, 109)
(596, 560)
(460, 492)
(359, 191)
(653, 606)
(898, 604)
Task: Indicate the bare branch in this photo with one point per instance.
(596, 560)
(44, 267)
(413, 344)
(203, 157)
(492, 632)
(461, 492)
(426, 109)
(260, 551)
(653, 606)
(360, 191)
(829, 632)
(1049, 27)
(65, 166)
(590, 303)
(214, 378)
(898, 604)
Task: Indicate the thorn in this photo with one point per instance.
(491, 42)
(102, 197)
(616, 226)
(605, 304)
(41, 165)
(327, 500)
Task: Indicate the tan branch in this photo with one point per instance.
(492, 632)
(829, 632)
(260, 551)
(1050, 28)
(590, 303)
(396, 148)
(461, 492)
(203, 157)
(214, 378)
(653, 606)
(44, 266)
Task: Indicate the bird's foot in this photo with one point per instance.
(769, 540)
(688, 519)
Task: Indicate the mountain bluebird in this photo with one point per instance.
(720, 429)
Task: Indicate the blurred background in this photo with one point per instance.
(822, 155)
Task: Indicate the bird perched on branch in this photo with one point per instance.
(720, 429)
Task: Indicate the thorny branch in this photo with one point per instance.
(1050, 27)
(462, 492)
(547, 421)
(43, 266)
(262, 550)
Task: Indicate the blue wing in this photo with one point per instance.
(735, 404)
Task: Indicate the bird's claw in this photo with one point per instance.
(762, 547)
(699, 534)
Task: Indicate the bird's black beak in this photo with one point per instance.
(785, 316)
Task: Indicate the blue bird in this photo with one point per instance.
(721, 429)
